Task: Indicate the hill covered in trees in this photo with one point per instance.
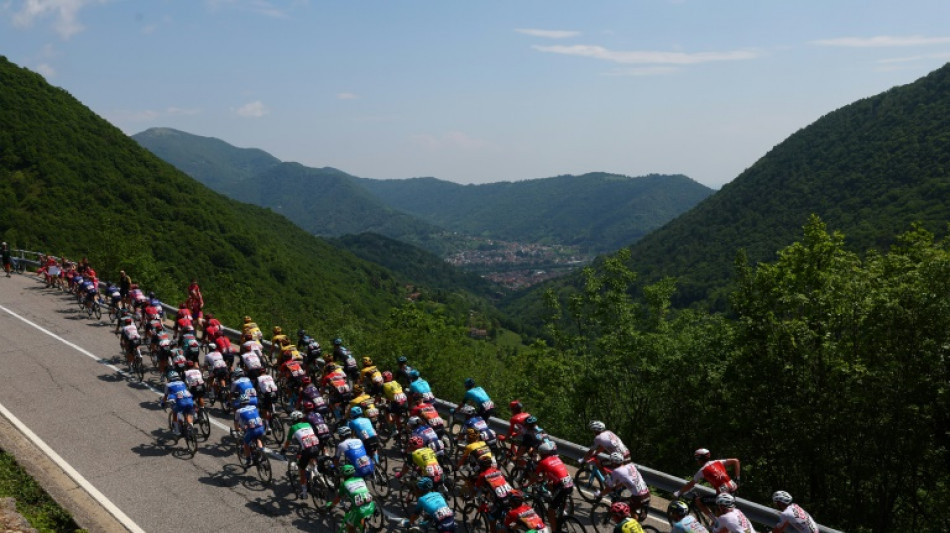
(72, 184)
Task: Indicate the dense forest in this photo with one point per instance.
(828, 377)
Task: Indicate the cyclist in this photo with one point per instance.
(224, 346)
(620, 515)
(212, 327)
(248, 419)
(184, 321)
(242, 387)
(551, 470)
(361, 501)
(350, 367)
(266, 397)
(317, 422)
(251, 362)
(419, 388)
(312, 394)
(605, 442)
(351, 451)
(182, 403)
(249, 327)
(396, 399)
(196, 383)
(492, 482)
(309, 443)
(153, 310)
(371, 378)
(432, 505)
(130, 338)
(516, 424)
(429, 436)
(714, 472)
(423, 459)
(248, 344)
(114, 296)
(627, 476)
(473, 421)
(428, 413)
(522, 516)
(681, 521)
(339, 352)
(364, 401)
(191, 346)
(161, 346)
(726, 517)
(364, 430)
(176, 357)
(474, 450)
(478, 398)
(337, 387)
(402, 371)
(793, 517)
(217, 369)
(277, 341)
(532, 438)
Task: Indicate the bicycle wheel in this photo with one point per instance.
(321, 492)
(278, 431)
(380, 482)
(191, 441)
(473, 520)
(264, 471)
(204, 425)
(113, 314)
(588, 484)
(376, 521)
(570, 524)
(97, 310)
(650, 528)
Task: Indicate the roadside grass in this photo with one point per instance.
(36, 506)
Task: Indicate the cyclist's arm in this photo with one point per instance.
(685, 488)
(734, 463)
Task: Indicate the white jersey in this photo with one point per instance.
(193, 377)
(733, 522)
(251, 361)
(252, 346)
(606, 440)
(628, 476)
(265, 383)
(215, 360)
(350, 443)
(797, 520)
(131, 332)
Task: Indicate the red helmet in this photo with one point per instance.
(306, 380)
(190, 364)
(620, 509)
(415, 442)
(309, 406)
(515, 406)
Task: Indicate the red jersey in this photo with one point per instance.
(714, 472)
(555, 472)
(493, 481)
(292, 368)
(516, 424)
(224, 344)
(333, 379)
(525, 516)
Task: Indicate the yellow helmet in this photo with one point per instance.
(367, 361)
(278, 330)
(247, 319)
(358, 389)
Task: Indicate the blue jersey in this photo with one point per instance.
(362, 428)
(478, 397)
(420, 386)
(177, 392)
(688, 524)
(432, 504)
(429, 437)
(249, 417)
(478, 424)
(243, 387)
(355, 454)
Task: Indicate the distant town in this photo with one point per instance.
(517, 265)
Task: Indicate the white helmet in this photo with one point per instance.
(782, 497)
(725, 500)
(616, 458)
(596, 426)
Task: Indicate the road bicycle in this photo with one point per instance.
(589, 479)
(259, 459)
(185, 431)
(600, 510)
(541, 499)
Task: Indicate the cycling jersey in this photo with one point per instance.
(494, 482)
(243, 387)
(608, 443)
(733, 521)
(312, 394)
(797, 520)
(628, 476)
(420, 387)
(628, 525)
(252, 346)
(433, 505)
(215, 361)
(714, 472)
(367, 404)
(354, 491)
(427, 463)
(516, 424)
(353, 451)
(689, 524)
(554, 472)
(251, 361)
(370, 374)
(177, 393)
(428, 413)
(478, 424)
(393, 392)
(249, 419)
(303, 433)
(525, 517)
(362, 428)
(193, 378)
(475, 451)
(265, 384)
(430, 438)
(319, 424)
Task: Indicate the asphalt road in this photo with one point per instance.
(60, 377)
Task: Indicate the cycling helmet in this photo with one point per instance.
(486, 461)
(247, 319)
(330, 367)
(301, 333)
(516, 497)
(467, 410)
(547, 448)
(416, 442)
(677, 509)
(596, 426)
(425, 484)
(189, 364)
(472, 435)
(726, 500)
(309, 406)
(387, 376)
(356, 411)
(515, 406)
(402, 360)
(531, 420)
(237, 374)
(469, 383)
(151, 295)
(702, 453)
(277, 330)
(296, 416)
(344, 432)
(367, 361)
(245, 399)
(357, 389)
(413, 374)
(415, 421)
(347, 470)
(172, 376)
(782, 497)
(212, 346)
(616, 458)
(620, 509)
(306, 380)
(338, 342)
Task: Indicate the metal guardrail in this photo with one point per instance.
(757, 513)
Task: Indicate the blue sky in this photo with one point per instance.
(480, 91)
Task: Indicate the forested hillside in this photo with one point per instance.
(596, 212)
(70, 183)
